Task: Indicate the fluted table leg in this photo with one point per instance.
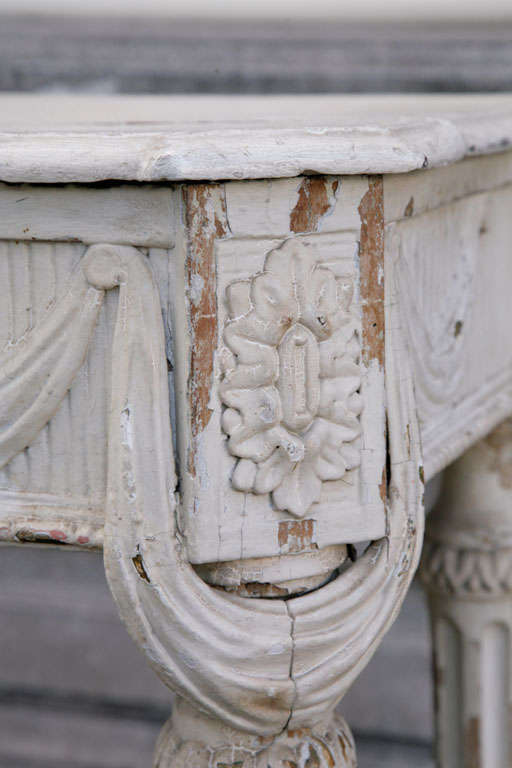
(467, 571)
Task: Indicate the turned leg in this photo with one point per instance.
(467, 572)
(191, 739)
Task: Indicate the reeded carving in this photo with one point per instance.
(291, 379)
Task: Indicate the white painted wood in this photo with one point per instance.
(244, 138)
(255, 509)
(431, 189)
(372, 309)
(47, 491)
(256, 666)
(467, 572)
(451, 248)
(141, 215)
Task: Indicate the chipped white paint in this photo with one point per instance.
(291, 382)
(245, 137)
(117, 342)
(48, 492)
(449, 235)
(253, 266)
(257, 666)
(141, 215)
(467, 572)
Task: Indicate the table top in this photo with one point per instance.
(67, 138)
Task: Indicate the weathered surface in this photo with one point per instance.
(258, 667)
(205, 221)
(371, 286)
(316, 198)
(371, 260)
(95, 689)
(281, 320)
(133, 215)
(466, 570)
(281, 378)
(286, 137)
(325, 745)
(296, 536)
(452, 256)
(49, 493)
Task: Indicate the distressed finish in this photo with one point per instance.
(152, 139)
(291, 379)
(467, 572)
(229, 392)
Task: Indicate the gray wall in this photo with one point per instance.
(175, 56)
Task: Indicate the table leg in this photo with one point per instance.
(257, 679)
(467, 572)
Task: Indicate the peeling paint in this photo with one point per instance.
(371, 285)
(69, 532)
(205, 216)
(139, 567)
(317, 197)
(41, 537)
(371, 260)
(258, 589)
(296, 536)
(472, 743)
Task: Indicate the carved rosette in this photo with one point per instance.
(291, 379)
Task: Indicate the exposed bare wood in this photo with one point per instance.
(203, 229)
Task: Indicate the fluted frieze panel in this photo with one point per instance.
(47, 485)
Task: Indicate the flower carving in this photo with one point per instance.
(291, 379)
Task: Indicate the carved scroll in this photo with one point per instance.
(291, 379)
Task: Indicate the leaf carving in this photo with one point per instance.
(291, 379)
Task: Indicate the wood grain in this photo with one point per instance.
(201, 289)
(197, 138)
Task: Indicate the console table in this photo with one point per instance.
(238, 335)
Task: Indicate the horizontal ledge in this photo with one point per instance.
(63, 139)
(40, 518)
(47, 519)
(128, 214)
